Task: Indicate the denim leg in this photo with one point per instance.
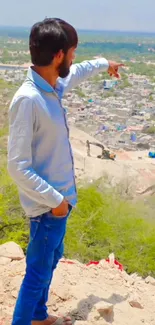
(46, 234)
(41, 308)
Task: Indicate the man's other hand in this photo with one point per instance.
(61, 210)
(114, 68)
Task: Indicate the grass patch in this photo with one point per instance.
(151, 130)
(102, 223)
(13, 224)
(3, 131)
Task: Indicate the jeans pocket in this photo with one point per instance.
(54, 220)
(61, 218)
(34, 226)
(52, 216)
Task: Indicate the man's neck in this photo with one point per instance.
(47, 73)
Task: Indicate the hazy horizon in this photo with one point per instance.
(100, 15)
(87, 29)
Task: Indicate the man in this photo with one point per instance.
(40, 158)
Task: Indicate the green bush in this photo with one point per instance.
(13, 224)
(141, 68)
(102, 223)
(79, 92)
(3, 131)
(150, 130)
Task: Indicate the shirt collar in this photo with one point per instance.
(39, 81)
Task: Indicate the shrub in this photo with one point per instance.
(150, 130)
(104, 223)
(13, 224)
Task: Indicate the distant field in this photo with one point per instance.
(23, 32)
(123, 45)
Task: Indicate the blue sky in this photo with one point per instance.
(134, 15)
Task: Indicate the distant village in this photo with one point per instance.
(125, 119)
(120, 118)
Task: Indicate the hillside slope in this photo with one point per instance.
(99, 294)
(132, 165)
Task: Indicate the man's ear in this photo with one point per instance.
(59, 56)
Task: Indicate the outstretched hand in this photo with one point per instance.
(114, 68)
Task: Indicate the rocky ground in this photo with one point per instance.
(99, 294)
(132, 168)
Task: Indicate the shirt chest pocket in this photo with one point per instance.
(54, 117)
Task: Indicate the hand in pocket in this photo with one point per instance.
(62, 210)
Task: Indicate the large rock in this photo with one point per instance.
(104, 308)
(4, 260)
(136, 304)
(63, 293)
(11, 250)
(81, 322)
(150, 280)
(101, 311)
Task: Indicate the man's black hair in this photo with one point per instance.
(48, 37)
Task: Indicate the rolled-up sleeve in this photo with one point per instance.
(22, 123)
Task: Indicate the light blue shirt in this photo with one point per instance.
(40, 158)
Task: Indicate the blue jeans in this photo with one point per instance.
(44, 251)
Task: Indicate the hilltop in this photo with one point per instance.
(96, 293)
(99, 294)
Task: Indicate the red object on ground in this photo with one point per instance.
(120, 266)
(92, 262)
(67, 262)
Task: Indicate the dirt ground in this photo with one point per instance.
(134, 166)
(92, 294)
(99, 294)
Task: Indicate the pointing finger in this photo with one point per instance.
(121, 65)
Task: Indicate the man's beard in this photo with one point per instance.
(64, 69)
